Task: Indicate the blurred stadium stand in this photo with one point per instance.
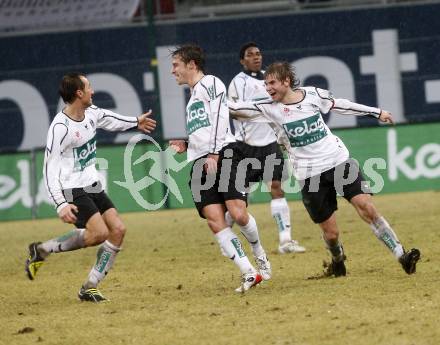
(27, 15)
(20, 15)
(187, 9)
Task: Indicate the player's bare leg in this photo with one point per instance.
(363, 204)
(281, 213)
(330, 234)
(115, 225)
(230, 245)
(73, 240)
(95, 232)
(109, 230)
(248, 227)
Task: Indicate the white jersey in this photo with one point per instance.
(70, 156)
(249, 87)
(313, 147)
(207, 118)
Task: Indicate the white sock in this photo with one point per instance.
(281, 212)
(232, 247)
(250, 232)
(104, 261)
(384, 233)
(72, 240)
(229, 220)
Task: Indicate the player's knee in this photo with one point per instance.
(275, 190)
(215, 225)
(119, 231)
(240, 216)
(98, 235)
(102, 235)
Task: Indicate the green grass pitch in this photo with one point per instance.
(170, 285)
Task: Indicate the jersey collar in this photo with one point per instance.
(257, 75)
(302, 99)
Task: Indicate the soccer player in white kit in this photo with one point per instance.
(211, 148)
(257, 140)
(73, 183)
(321, 161)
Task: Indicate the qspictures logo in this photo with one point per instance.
(404, 165)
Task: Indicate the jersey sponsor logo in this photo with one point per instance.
(305, 132)
(196, 117)
(84, 155)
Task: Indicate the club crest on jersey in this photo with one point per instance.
(196, 117)
(84, 155)
(306, 131)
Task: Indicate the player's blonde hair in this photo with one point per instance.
(283, 71)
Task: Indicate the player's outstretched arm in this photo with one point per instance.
(244, 111)
(145, 123)
(248, 111)
(385, 116)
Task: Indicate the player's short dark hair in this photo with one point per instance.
(190, 51)
(282, 71)
(245, 47)
(70, 83)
